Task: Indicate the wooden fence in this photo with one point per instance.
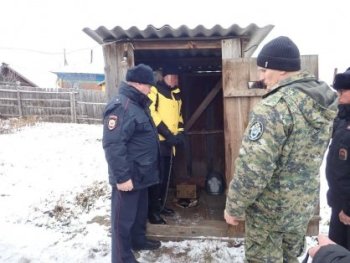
(56, 105)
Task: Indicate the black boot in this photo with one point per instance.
(148, 245)
(155, 218)
(167, 211)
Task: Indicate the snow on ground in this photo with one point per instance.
(54, 201)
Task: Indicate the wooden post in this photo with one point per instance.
(19, 101)
(73, 109)
(118, 58)
(231, 78)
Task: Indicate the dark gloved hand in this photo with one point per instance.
(172, 140)
(177, 139)
(180, 137)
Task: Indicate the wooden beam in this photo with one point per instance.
(195, 61)
(233, 120)
(203, 106)
(246, 93)
(213, 229)
(204, 132)
(159, 45)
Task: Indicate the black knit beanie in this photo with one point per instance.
(141, 74)
(342, 80)
(281, 54)
(170, 70)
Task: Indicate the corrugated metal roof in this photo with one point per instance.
(188, 58)
(102, 35)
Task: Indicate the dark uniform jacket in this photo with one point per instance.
(338, 165)
(332, 254)
(130, 139)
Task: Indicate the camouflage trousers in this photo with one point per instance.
(263, 244)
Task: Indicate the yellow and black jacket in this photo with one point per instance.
(166, 111)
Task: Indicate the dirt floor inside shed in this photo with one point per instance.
(204, 219)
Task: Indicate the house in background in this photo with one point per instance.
(82, 76)
(75, 80)
(8, 75)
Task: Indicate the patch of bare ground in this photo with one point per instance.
(11, 125)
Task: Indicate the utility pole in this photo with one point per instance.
(65, 58)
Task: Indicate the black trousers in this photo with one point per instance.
(157, 193)
(128, 223)
(339, 232)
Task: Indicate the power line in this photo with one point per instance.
(47, 52)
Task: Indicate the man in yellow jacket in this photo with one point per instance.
(166, 113)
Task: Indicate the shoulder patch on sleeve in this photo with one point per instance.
(343, 154)
(112, 122)
(256, 130)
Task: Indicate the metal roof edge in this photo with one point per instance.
(256, 39)
(102, 35)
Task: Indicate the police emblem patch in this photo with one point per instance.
(112, 122)
(256, 131)
(343, 154)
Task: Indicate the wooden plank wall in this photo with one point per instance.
(238, 102)
(58, 105)
(118, 58)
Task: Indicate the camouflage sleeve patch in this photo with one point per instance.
(256, 130)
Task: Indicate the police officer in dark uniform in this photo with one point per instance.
(132, 152)
(338, 165)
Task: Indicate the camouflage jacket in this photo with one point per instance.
(277, 170)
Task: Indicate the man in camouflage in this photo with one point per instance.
(275, 186)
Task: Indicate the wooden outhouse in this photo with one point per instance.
(216, 67)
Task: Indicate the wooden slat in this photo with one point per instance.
(310, 63)
(231, 48)
(236, 75)
(212, 228)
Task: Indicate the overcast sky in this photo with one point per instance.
(34, 33)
